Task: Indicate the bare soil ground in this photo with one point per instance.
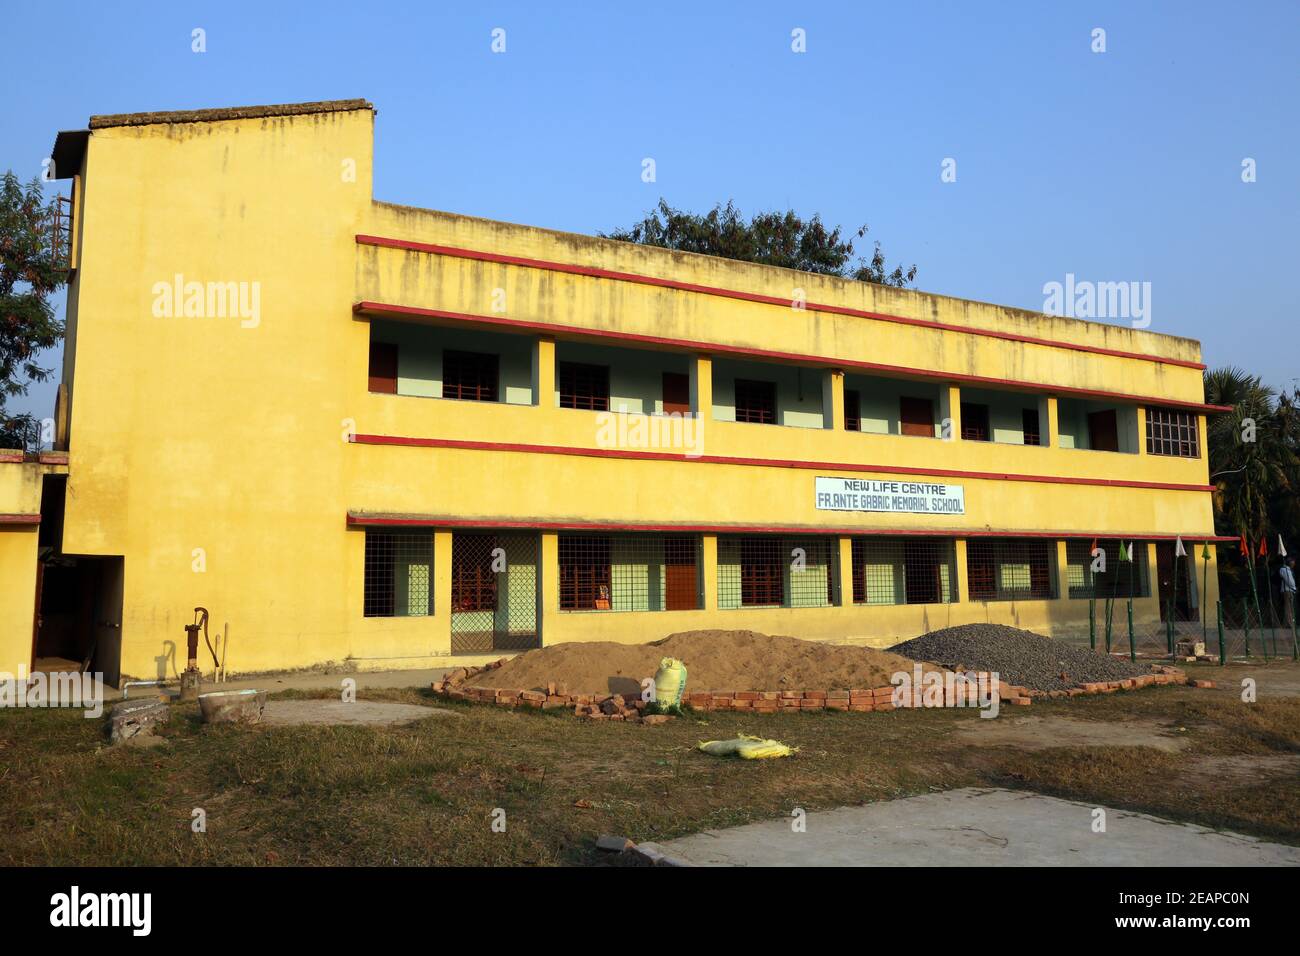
(715, 660)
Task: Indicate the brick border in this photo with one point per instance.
(880, 699)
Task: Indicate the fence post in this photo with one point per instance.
(1169, 627)
(1109, 614)
(1092, 623)
(1295, 649)
(1223, 652)
(1245, 623)
(1132, 648)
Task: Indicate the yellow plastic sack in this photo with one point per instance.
(747, 748)
(670, 682)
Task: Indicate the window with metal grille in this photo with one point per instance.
(1011, 569)
(398, 573)
(974, 422)
(494, 591)
(629, 572)
(1171, 432)
(755, 401)
(852, 410)
(584, 386)
(1120, 579)
(774, 571)
(473, 582)
(1029, 425)
(904, 571)
(471, 376)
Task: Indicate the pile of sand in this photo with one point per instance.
(715, 660)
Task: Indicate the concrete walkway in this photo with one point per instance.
(309, 680)
(974, 827)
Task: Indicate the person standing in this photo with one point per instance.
(1287, 573)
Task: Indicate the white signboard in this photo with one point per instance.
(900, 496)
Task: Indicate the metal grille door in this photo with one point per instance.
(494, 581)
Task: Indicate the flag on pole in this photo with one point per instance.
(1094, 546)
(1205, 551)
(1179, 550)
(1245, 548)
(1281, 547)
(1126, 555)
(1263, 547)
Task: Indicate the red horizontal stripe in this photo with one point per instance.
(596, 273)
(363, 519)
(22, 520)
(764, 462)
(549, 328)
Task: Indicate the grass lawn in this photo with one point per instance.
(425, 793)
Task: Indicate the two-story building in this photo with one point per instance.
(358, 431)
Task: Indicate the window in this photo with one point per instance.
(629, 572)
(772, 571)
(584, 573)
(916, 417)
(471, 376)
(383, 367)
(677, 393)
(755, 401)
(584, 386)
(1011, 569)
(852, 410)
(974, 422)
(1171, 432)
(1119, 579)
(473, 582)
(1029, 425)
(762, 570)
(398, 572)
(904, 571)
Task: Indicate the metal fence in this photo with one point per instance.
(630, 572)
(1226, 633)
(494, 585)
(776, 571)
(398, 573)
(1107, 575)
(904, 571)
(1011, 569)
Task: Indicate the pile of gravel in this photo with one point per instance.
(1022, 658)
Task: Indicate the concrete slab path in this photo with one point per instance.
(977, 827)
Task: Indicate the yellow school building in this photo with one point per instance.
(377, 436)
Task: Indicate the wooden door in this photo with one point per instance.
(916, 417)
(1103, 431)
(677, 393)
(681, 579)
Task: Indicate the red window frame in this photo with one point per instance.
(470, 376)
(584, 386)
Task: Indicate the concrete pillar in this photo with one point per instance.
(549, 582)
(1140, 413)
(833, 398)
(950, 412)
(709, 571)
(702, 386)
(1062, 579)
(846, 568)
(544, 372)
(963, 581)
(1049, 420)
(442, 592)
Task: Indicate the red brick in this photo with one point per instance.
(812, 704)
(837, 704)
(863, 706)
(814, 695)
(749, 695)
(882, 705)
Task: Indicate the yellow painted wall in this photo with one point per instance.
(20, 494)
(214, 456)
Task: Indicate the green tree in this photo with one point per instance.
(1254, 458)
(771, 238)
(29, 275)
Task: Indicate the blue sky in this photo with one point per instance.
(1115, 166)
